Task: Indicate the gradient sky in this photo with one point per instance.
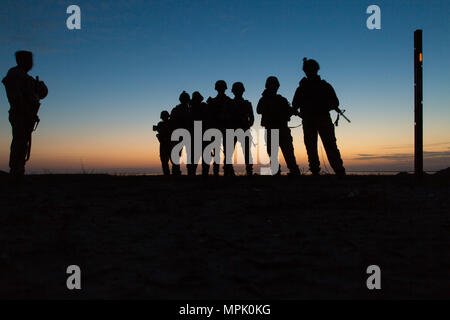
(109, 81)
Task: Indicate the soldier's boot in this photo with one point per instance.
(166, 169)
(191, 168)
(205, 170)
(231, 171)
(334, 157)
(314, 168)
(176, 171)
(17, 175)
(194, 169)
(294, 171)
(337, 164)
(288, 152)
(249, 170)
(216, 169)
(165, 164)
(315, 172)
(228, 170)
(18, 154)
(328, 136)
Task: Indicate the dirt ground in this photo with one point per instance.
(250, 238)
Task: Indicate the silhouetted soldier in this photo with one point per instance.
(315, 98)
(165, 144)
(275, 114)
(243, 118)
(24, 93)
(180, 119)
(218, 107)
(198, 112)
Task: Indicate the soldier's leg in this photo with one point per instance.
(310, 139)
(193, 169)
(247, 155)
(164, 154)
(228, 156)
(205, 165)
(18, 148)
(287, 148)
(268, 136)
(197, 157)
(191, 156)
(176, 168)
(328, 137)
(216, 165)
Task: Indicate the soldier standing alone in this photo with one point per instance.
(24, 93)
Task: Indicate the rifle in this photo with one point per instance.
(340, 113)
(34, 122)
(33, 126)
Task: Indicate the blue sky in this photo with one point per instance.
(109, 81)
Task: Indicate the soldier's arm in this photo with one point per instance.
(296, 101)
(173, 113)
(30, 96)
(173, 122)
(260, 107)
(287, 109)
(333, 100)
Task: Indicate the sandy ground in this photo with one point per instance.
(259, 238)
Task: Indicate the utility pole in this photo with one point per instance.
(418, 104)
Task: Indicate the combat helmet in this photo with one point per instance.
(310, 65)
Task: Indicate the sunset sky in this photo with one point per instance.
(109, 81)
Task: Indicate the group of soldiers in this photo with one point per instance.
(220, 112)
(313, 101)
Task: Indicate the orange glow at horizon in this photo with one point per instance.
(112, 155)
(372, 148)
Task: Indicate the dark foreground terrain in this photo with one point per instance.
(265, 237)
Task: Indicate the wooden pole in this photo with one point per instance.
(418, 104)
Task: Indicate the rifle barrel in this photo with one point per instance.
(345, 117)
